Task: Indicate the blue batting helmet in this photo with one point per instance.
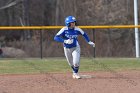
(69, 19)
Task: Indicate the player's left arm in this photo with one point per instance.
(81, 32)
(86, 37)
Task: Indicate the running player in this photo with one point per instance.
(68, 36)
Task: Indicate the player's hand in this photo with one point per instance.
(69, 41)
(91, 43)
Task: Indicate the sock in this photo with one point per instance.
(75, 69)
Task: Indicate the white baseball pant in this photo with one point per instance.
(73, 56)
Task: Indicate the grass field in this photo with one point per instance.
(59, 65)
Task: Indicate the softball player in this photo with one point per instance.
(68, 36)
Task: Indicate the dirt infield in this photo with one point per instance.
(92, 82)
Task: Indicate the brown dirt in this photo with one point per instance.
(101, 82)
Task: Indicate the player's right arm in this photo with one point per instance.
(59, 35)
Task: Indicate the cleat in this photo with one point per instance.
(76, 76)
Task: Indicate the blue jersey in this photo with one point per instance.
(66, 33)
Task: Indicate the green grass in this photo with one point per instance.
(27, 66)
(105, 64)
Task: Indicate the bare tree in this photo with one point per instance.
(25, 18)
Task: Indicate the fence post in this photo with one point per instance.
(94, 49)
(41, 44)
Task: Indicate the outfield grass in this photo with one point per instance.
(27, 66)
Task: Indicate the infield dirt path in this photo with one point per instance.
(100, 82)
